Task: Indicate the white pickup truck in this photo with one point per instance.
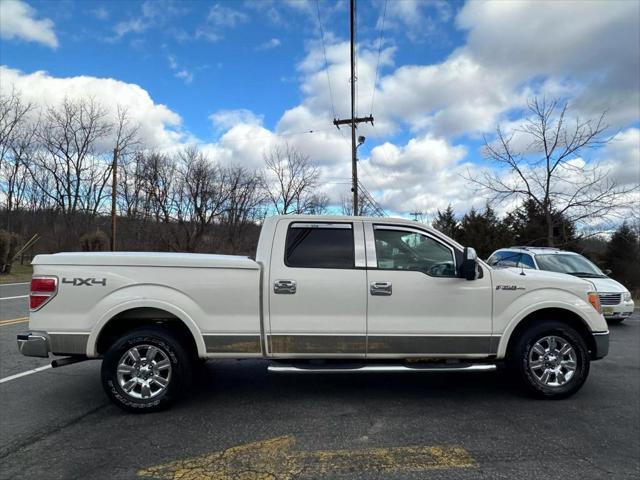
(353, 294)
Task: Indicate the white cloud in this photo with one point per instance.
(179, 71)
(269, 44)
(160, 127)
(424, 174)
(17, 21)
(419, 20)
(101, 13)
(622, 157)
(184, 75)
(153, 14)
(224, 120)
(220, 18)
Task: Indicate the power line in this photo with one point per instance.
(375, 206)
(326, 64)
(375, 82)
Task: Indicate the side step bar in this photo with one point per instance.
(382, 368)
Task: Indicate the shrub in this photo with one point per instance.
(96, 241)
(8, 245)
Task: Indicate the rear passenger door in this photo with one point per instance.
(317, 290)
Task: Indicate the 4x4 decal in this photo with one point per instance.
(78, 282)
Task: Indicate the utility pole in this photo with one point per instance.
(416, 215)
(353, 121)
(114, 187)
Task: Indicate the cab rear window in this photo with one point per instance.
(320, 246)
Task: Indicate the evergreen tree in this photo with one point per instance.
(528, 223)
(623, 257)
(484, 232)
(446, 223)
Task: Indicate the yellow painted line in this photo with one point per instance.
(13, 321)
(276, 459)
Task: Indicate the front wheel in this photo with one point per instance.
(551, 359)
(615, 321)
(145, 370)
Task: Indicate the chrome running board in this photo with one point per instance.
(382, 368)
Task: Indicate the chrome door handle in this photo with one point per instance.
(380, 288)
(284, 286)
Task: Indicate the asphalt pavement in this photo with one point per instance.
(58, 424)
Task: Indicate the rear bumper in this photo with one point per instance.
(34, 344)
(40, 344)
(601, 345)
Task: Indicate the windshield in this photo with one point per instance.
(572, 264)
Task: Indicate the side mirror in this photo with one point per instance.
(469, 267)
(607, 272)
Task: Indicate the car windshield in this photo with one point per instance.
(572, 264)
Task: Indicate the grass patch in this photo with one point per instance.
(19, 273)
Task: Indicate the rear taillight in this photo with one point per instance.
(42, 290)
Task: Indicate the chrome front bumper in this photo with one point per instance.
(34, 344)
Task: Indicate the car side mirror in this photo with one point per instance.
(607, 272)
(469, 267)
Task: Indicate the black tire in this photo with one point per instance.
(522, 358)
(168, 351)
(615, 321)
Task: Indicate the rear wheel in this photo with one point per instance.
(146, 370)
(551, 359)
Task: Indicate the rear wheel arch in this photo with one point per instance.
(134, 318)
(561, 315)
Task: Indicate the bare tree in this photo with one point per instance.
(244, 205)
(71, 154)
(202, 196)
(545, 168)
(16, 148)
(126, 137)
(187, 192)
(290, 181)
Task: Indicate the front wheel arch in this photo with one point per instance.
(561, 315)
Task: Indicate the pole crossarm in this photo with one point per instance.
(348, 121)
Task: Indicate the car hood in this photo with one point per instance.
(606, 285)
(534, 279)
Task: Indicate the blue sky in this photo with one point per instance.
(250, 62)
(236, 76)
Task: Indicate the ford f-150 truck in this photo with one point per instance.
(324, 294)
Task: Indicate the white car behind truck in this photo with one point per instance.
(615, 299)
(325, 294)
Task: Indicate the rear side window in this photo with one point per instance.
(320, 246)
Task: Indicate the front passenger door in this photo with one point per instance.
(417, 306)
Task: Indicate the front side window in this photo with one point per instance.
(317, 246)
(511, 259)
(402, 250)
(526, 261)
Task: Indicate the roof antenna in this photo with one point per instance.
(521, 266)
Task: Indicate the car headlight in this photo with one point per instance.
(626, 296)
